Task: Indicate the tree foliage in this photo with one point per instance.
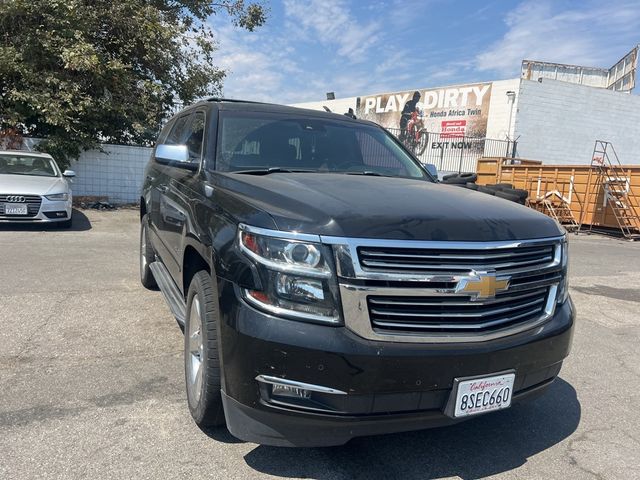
(81, 72)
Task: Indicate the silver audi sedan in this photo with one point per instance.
(33, 190)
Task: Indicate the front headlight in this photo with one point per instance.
(298, 275)
(58, 197)
(563, 290)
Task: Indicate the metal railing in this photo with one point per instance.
(454, 153)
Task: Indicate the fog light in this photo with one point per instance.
(288, 391)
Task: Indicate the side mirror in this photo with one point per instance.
(432, 170)
(69, 173)
(175, 155)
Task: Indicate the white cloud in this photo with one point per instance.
(258, 64)
(331, 22)
(591, 34)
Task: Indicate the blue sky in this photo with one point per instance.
(310, 47)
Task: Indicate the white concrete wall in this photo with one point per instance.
(558, 122)
(117, 173)
(499, 108)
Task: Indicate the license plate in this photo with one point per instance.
(482, 394)
(15, 209)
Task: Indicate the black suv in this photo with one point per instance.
(329, 287)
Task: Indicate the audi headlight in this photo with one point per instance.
(58, 197)
(563, 290)
(297, 273)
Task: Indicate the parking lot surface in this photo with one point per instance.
(91, 380)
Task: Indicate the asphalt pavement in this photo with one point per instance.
(92, 382)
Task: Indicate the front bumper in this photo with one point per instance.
(49, 212)
(390, 387)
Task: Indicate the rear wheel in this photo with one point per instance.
(147, 256)
(201, 356)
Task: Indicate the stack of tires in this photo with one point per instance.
(460, 179)
(500, 190)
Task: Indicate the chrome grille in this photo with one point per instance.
(423, 291)
(507, 260)
(461, 314)
(32, 201)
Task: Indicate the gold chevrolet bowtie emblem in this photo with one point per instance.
(485, 285)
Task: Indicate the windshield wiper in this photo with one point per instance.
(368, 172)
(267, 171)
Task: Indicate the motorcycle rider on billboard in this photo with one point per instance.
(409, 108)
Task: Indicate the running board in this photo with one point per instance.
(170, 291)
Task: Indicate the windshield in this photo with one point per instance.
(261, 141)
(26, 165)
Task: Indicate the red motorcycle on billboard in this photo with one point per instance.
(415, 136)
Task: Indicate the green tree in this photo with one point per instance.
(81, 72)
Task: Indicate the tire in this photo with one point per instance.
(147, 256)
(484, 189)
(455, 181)
(460, 178)
(505, 186)
(201, 356)
(508, 196)
(472, 186)
(468, 177)
(522, 194)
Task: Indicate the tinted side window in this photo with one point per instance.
(195, 137)
(177, 132)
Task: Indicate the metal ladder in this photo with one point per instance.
(562, 214)
(555, 202)
(617, 188)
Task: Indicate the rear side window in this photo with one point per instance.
(195, 137)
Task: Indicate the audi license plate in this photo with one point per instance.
(482, 394)
(15, 209)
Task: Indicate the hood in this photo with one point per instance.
(31, 185)
(386, 208)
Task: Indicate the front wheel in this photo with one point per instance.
(201, 356)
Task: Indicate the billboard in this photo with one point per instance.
(455, 111)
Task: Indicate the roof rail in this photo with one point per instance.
(234, 100)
